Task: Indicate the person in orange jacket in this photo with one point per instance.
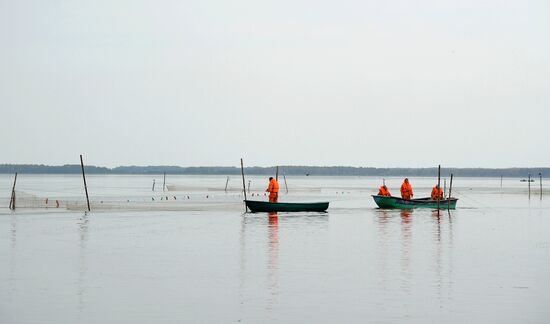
(383, 191)
(437, 191)
(273, 190)
(406, 190)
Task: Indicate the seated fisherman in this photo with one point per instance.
(383, 191)
(437, 193)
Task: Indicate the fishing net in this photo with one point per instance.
(204, 193)
(26, 200)
(160, 201)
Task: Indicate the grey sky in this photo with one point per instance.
(363, 83)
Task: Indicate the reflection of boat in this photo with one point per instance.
(264, 206)
(525, 180)
(396, 202)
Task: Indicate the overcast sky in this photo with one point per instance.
(463, 83)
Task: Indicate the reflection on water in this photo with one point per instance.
(13, 253)
(396, 228)
(406, 238)
(83, 224)
(264, 230)
(273, 258)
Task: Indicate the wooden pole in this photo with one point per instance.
(226, 182)
(540, 183)
(153, 189)
(244, 185)
(501, 182)
(12, 199)
(286, 186)
(529, 184)
(164, 182)
(277, 174)
(449, 197)
(249, 186)
(444, 186)
(85, 186)
(438, 186)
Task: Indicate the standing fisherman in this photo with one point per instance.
(406, 190)
(273, 190)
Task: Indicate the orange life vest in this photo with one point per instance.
(273, 186)
(406, 191)
(435, 193)
(383, 191)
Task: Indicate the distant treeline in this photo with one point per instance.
(288, 170)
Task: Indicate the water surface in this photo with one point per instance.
(199, 259)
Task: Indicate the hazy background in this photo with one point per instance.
(362, 83)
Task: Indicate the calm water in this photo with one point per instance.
(199, 259)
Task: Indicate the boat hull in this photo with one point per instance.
(266, 207)
(399, 203)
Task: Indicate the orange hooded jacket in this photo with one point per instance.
(435, 191)
(383, 191)
(273, 186)
(406, 190)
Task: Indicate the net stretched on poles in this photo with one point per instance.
(159, 202)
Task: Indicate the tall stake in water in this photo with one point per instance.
(244, 185)
(540, 183)
(286, 186)
(12, 199)
(529, 184)
(85, 186)
(164, 182)
(449, 197)
(277, 174)
(438, 186)
(226, 182)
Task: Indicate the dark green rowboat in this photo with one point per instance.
(266, 207)
(395, 202)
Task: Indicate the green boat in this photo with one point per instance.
(266, 207)
(396, 202)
